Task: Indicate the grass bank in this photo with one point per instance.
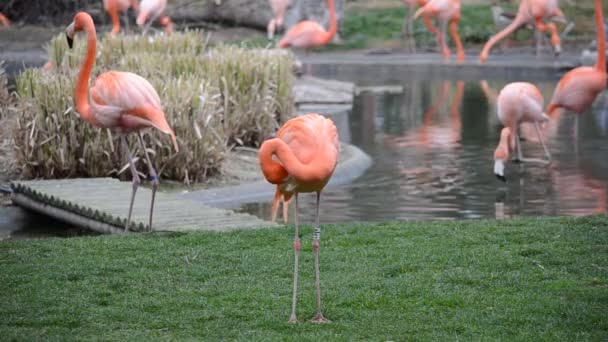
(522, 279)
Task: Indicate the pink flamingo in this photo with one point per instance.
(445, 10)
(121, 101)
(517, 102)
(530, 11)
(150, 10)
(278, 10)
(4, 20)
(408, 24)
(113, 7)
(579, 87)
(301, 158)
(309, 34)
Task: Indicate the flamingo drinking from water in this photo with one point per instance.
(309, 34)
(530, 11)
(301, 158)
(150, 10)
(278, 11)
(121, 101)
(517, 103)
(113, 7)
(579, 87)
(446, 11)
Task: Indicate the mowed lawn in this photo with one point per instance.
(523, 279)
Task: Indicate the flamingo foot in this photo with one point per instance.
(320, 319)
(293, 319)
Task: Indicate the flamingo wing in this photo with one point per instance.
(304, 34)
(578, 88)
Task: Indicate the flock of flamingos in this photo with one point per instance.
(304, 153)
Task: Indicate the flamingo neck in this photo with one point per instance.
(81, 93)
(504, 146)
(289, 165)
(600, 63)
(333, 24)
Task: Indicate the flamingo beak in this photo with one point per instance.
(69, 35)
(499, 170)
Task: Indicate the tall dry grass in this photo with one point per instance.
(214, 98)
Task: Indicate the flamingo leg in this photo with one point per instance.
(520, 156)
(456, 37)
(444, 45)
(153, 176)
(272, 24)
(296, 249)
(147, 26)
(134, 175)
(555, 40)
(126, 19)
(316, 236)
(542, 141)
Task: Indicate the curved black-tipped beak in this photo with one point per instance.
(501, 177)
(70, 41)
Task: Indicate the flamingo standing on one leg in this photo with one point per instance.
(306, 150)
(278, 10)
(113, 7)
(530, 11)
(150, 10)
(122, 101)
(4, 20)
(517, 102)
(579, 87)
(309, 34)
(446, 11)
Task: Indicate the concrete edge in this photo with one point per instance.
(259, 191)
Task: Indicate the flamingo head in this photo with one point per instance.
(81, 20)
(501, 155)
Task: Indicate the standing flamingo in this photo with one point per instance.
(408, 25)
(579, 87)
(445, 10)
(278, 10)
(530, 11)
(113, 7)
(150, 10)
(4, 20)
(309, 34)
(306, 150)
(122, 101)
(517, 102)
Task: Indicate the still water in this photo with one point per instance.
(432, 142)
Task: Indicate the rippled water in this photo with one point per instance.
(433, 144)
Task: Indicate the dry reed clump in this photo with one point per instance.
(213, 98)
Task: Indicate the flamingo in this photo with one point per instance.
(517, 103)
(445, 10)
(409, 22)
(4, 20)
(530, 11)
(121, 101)
(306, 151)
(150, 10)
(115, 6)
(278, 9)
(579, 87)
(309, 34)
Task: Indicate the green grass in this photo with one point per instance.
(521, 279)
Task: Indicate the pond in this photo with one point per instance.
(432, 141)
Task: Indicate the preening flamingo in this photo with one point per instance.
(530, 11)
(579, 87)
(121, 101)
(445, 11)
(113, 7)
(4, 20)
(150, 10)
(301, 158)
(309, 34)
(517, 103)
(278, 11)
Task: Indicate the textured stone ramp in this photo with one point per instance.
(102, 204)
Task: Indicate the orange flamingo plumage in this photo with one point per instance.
(4, 20)
(530, 11)
(113, 7)
(278, 11)
(309, 34)
(517, 103)
(301, 158)
(121, 101)
(579, 87)
(445, 11)
(149, 11)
